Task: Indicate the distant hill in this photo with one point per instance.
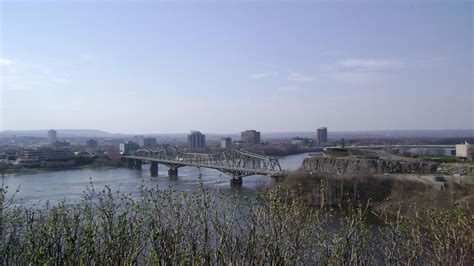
(86, 133)
(449, 133)
(94, 133)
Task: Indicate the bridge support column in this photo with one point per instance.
(173, 171)
(130, 163)
(138, 164)
(236, 181)
(154, 169)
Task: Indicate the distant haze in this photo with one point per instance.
(92, 133)
(159, 67)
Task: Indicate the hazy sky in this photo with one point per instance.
(150, 67)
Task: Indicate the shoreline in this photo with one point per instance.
(26, 171)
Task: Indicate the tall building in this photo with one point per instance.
(226, 143)
(52, 136)
(92, 144)
(149, 143)
(196, 140)
(128, 147)
(250, 136)
(322, 135)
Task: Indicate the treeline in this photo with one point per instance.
(209, 227)
(410, 141)
(279, 149)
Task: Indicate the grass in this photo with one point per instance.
(23, 170)
(337, 152)
(445, 159)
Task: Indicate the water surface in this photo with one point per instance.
(69, 185)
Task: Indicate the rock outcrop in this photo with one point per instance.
(454, 168)
(362, 165)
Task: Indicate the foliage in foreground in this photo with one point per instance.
(164, 226)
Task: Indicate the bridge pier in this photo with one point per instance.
(235, 163)
(154, 169)
(236, 181)
(130, 163)
(173, 171)
(138, 164)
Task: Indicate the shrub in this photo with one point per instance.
(210, 227)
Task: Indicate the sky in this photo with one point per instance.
(222, 67)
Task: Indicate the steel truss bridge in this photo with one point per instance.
(235, 163)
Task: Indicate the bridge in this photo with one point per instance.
(235, 163)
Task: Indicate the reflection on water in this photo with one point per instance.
(70, 184)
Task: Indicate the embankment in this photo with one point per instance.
(366, 165)
(376, 179)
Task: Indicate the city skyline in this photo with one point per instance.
(276, 67)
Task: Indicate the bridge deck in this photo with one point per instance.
(210, 166)
(233, 162)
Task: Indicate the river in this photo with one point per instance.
(69, 185)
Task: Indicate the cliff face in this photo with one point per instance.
(358, 165)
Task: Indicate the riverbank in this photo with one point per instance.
(280, 151)
(382, 191)
(27, 171)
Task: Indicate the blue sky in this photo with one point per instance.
(164, 67)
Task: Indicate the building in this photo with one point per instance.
(52, 136)
(465, 150)
(302, 142)
(112, 151)
(250, 136)
(226, 143)
(91, 144)
(196, 140)
(59, 154)
(128, 147)
(322, 136)
(34, 157)
(149, 143)
(60, 144)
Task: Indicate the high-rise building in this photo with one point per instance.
(226, 143)
(149, 143)
(322, 135)
(196, 140)
(52, 136)
(128, 147)
(92, 144)
(250, 136)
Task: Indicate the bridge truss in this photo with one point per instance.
(236, 163)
